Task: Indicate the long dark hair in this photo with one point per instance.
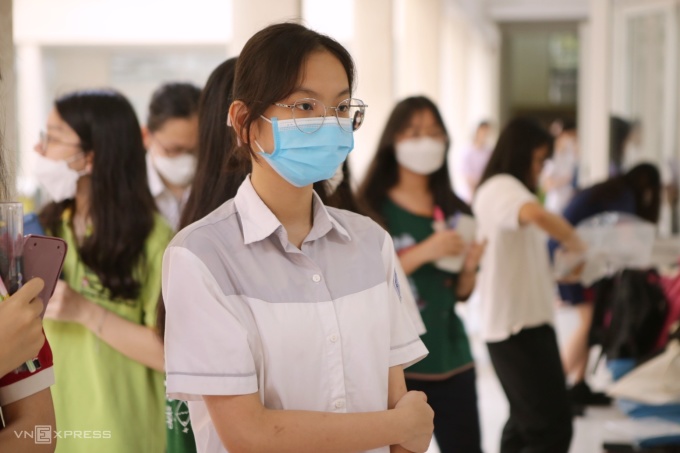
(269, 69)
(219, 172)
(643, 181)
(514, 151)
(121, 206)
(383, 174)
(343, 196)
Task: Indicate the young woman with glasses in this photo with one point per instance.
(171, 137)
(284, 314)
(101, 319)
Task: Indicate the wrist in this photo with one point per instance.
(572, 242)
(4, 359)
(90, 315)
(470, 269)
(399, 426)
(424, 253)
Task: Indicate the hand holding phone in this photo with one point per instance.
(21, 334)
(44, 257)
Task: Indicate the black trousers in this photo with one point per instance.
(529, 368)
(456, 418)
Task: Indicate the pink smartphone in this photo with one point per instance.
(44, 258)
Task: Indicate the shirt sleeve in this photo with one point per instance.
(23, 383)
(406, 348)
(499, 202)
(206, 339)
(410, 300)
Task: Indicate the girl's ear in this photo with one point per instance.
(238, 112)
(146, 137)
(89, 161)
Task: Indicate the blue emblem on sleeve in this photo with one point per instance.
(397, 288)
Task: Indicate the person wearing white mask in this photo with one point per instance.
(171, 140)
(101, 319)
(406, 189)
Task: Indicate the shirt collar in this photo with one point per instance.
(259, 222)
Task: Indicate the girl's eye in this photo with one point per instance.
(344, 108)
(305, 106)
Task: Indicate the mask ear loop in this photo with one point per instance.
(81, 154)
(231, 125)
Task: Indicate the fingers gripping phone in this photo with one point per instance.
(44, 258)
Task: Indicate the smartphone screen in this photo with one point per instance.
(44, 258)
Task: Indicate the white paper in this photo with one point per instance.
(466, 226)
(614, 241)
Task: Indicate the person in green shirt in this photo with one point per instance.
(108, 395)
(406, 186)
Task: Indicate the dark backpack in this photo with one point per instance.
(629, 314)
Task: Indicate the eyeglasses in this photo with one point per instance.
(172, 152)
(45, 140)
(349, 113)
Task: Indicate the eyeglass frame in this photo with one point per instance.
(45, 140)
(174, 153)
(292, 107)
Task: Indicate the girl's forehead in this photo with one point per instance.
(422, 118)
(323, 73)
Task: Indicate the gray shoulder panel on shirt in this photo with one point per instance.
(328, 268)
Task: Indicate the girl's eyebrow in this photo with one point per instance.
(313, 93)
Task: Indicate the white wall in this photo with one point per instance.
(114, 22)
(446, 49)
(470, 76)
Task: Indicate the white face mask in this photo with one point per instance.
(178, 171)
(57, 178)
(422, 155)
(334, 182)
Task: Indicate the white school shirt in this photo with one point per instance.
(313, 329)
(168, 205)
(515, 285)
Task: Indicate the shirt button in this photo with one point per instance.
(316, 278)
(339, 404)
(333, 338)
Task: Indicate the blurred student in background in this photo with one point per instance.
(171, 140)
(637, 192)
(558, 180)
(406, 183)
(101, 319)
(517, 291)
(473, 162)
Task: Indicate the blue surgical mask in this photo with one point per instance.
(303, 159)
